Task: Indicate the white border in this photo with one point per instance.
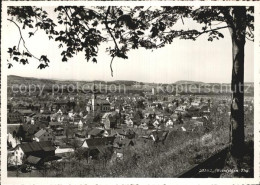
(152, 181)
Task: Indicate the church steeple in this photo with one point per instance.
(94, 99)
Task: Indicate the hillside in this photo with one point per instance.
(195, 86)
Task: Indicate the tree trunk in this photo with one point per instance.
(237, 85)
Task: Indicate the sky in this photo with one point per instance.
(198, 60)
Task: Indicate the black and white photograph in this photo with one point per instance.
(120, 91)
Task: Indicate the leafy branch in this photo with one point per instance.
(21, 38)
(25, 55)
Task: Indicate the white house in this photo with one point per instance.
(43, 135)
(129, 122)
(37, 149)
(71, 114)
(80, 125)
(156, 123)
(59, 112)
(19, 156)
(13, 141)
(169, 123)
(181, 108)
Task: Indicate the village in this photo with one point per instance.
(95, 126)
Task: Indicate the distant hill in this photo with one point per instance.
(187, 82)
(13, 79)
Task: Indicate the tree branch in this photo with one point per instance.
(21, 38)
(111, 68)
(214, 29)
(19, 43)
(197, 32)
(109, 30)
(227, 17)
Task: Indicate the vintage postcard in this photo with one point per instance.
(130, 92)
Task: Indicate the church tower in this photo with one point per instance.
(94, 99)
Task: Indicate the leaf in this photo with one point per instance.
(31, 34)
(9, 65)
(16, 59)
(64, 59)
(38, 24)
(10, 50)
(94, 60)
(60, 38)
(69, 55)
(210, 39)
(27, 54)
(121, 55)
(23, 61)
(62, 32)
(220, 35)
(44, 58)
(16, 53)
(42, 66)
(127, 19)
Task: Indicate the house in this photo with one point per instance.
(61, 151)
(159, 135)
(12, 140)
(156, 123)
(181, 108)
(14, 117)
(98, 147)
(54, 125)
(59, 131)
(59, 112)
(198, 123)
(105, 120)
(104, 105)
(41, 149)
(110, 120)
(80, 125)
(95, 142)
(43, 135)
(97, 132)
(97, 105)
(71, 114)
(25, 112)
(193, 111)
(81, 134)
(127, 142)
(129, 122)
(169, 123)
